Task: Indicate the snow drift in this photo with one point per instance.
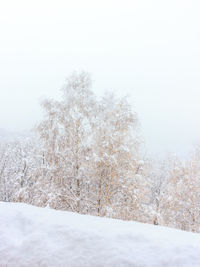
(32, 236)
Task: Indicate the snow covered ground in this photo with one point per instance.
(32, 236)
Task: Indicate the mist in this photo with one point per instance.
(149, 50)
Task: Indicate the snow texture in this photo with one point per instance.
(32, 236)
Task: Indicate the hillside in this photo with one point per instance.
(8, 136)
(32, 236)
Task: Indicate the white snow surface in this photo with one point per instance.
(32, 236)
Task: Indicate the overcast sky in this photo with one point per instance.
(149, 49)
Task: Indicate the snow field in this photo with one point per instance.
(32, 236)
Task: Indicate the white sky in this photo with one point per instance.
(149, 49)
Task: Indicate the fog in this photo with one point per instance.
(149, 50)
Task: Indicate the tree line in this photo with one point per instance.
(86, 157)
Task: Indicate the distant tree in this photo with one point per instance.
(180, 203)
(157, 174)
(17, 162)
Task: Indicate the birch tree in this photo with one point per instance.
(117, 163)
(180, 203)
(66, 135)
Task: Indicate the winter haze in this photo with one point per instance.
(147, 49)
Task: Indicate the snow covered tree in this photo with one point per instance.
(180, 203)
(88, 160)
(157, 174)
(66, 135)
(91, 153)
(117, 162)
(17, 163)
